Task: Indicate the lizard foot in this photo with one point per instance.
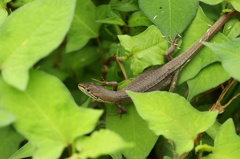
(121, 110)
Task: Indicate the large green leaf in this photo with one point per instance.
(84, 26)
(213, 75)
(6, 118)
(101, 142)
(147, 48)
(211, 2)
(3, 15)
(81, 58)
(132, 128)
(231, 29)
(138, 19)
(173, 117)
(226, 143)
(124, 5)
(172, 16)
(212, 131)
(236, 4)
(229, 55)
(113, 18)
(205, 56)
(25, 151)
(4, 2)
(31, 33)
(20, 3)
(9, 141)
(47, 115)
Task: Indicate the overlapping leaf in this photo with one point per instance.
(50, 121)
(84, 26)
(205, 56)
(3, 15)
(226, 143)
(25, 151)
(132, 128)
(147, 48)
(212, 2)
(173, 117)
(214, 74)
(229, 55)
(169, 17)
(231, 29)
(138, 19)
(101, 142)
(6, 118)
(236, 4)
(31, 33)
(9, 141)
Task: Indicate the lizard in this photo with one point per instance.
(155, 78)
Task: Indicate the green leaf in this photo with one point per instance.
(25, 151)
(132, 128)
(101, 142)
(3, 15)
(124, 5)
(117, 155)
(212, 2)
(226, 143)
(19, 3)
(28, 1)
(232, 28)
(236, 4)
(10, 141)
(50, 121)
(212, 131)
(81, 58)
(4, 2)
(138, 19)
(113, 18)
(173, 117)
(229, 55)
(41, 27)
(145, 52)
(169, 17)
(6, 118)
(205, 56)
(86, 103)
(213, 75)
(84, 26)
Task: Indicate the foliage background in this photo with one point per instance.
(48, 47)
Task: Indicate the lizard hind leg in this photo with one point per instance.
(174, 81)
(121, 110)
(168, 58)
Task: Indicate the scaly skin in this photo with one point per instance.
(155, 78)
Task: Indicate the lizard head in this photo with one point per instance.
(92, 90)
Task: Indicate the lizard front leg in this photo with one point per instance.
(105, 83)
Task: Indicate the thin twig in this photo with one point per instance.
(218, 106)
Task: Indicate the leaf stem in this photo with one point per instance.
(218, 106)
(117, 29)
